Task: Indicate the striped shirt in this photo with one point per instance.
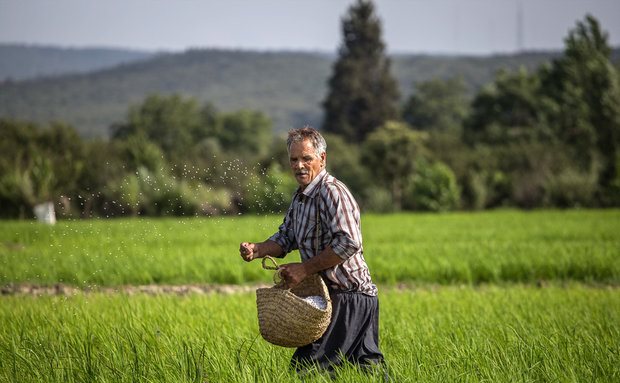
(330, 202)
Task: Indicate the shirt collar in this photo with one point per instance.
(312, 188)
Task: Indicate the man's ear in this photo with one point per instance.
(323, 158)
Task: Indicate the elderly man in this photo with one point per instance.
(323, 223)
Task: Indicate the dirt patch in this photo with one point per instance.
(13, 246)
(202, 289)
(66, 290)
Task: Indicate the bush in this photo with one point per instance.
(344, 162)
(432, 188)
(15, 194)
(268, 193)
(378, 200)
(160, 194)
(570, 188)
(528, 190)
(474, 192)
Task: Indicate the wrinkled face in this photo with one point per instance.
(305, 164)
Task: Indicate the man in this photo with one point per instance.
(323, 223)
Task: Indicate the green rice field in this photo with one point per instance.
(449, 334)
(502, 296)
(468, 248)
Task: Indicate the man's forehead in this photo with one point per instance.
(304, 146)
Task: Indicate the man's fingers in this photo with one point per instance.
(289, 274)
(246, 251)
(245, 248)
(283, 272)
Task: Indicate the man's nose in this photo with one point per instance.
(298, 164)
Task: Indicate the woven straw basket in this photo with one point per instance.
(287, 320)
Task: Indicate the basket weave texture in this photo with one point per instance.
(286, 319)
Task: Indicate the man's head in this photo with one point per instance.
(307, 154)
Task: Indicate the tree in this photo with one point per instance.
(507, 110)
(432, 188)
(571, 105)
(390, 152)
(246, 132)
(171, 122)
(344, 162)
(66, 151)
(362, 94)
(437, 106)
(105, 164)
(584, 87)
(38, 164)
(268, 192)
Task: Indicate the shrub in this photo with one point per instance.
(378, 200)
(474, 192)
(433, 188)
(269, 192)
(570, 188)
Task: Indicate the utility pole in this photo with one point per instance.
(519, 25)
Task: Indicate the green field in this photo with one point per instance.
(502, 296)
(470, 248)
(450, 334)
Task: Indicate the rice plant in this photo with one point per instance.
(432, 334)
(471, 248)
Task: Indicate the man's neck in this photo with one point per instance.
(312, 183)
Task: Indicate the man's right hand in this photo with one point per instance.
(248, 250)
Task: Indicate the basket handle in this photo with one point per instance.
(277, 277)
(275, 264)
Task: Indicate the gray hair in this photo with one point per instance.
(307, 133)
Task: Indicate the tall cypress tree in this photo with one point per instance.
(362, 95)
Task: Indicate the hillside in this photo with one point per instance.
(287, 86)
(21, 62)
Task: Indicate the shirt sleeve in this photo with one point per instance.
(343, 219)
(285, 236)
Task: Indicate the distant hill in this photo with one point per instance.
(287, 86)
(20, 62)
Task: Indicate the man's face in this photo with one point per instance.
(305, 164)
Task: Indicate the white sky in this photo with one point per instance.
(412, 26)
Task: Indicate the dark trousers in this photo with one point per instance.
(352, 335)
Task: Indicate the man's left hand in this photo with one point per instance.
(293, 273)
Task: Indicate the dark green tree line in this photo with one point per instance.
(542, 138)
(171, 156)
(556, 129)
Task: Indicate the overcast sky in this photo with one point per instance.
(411, 26)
